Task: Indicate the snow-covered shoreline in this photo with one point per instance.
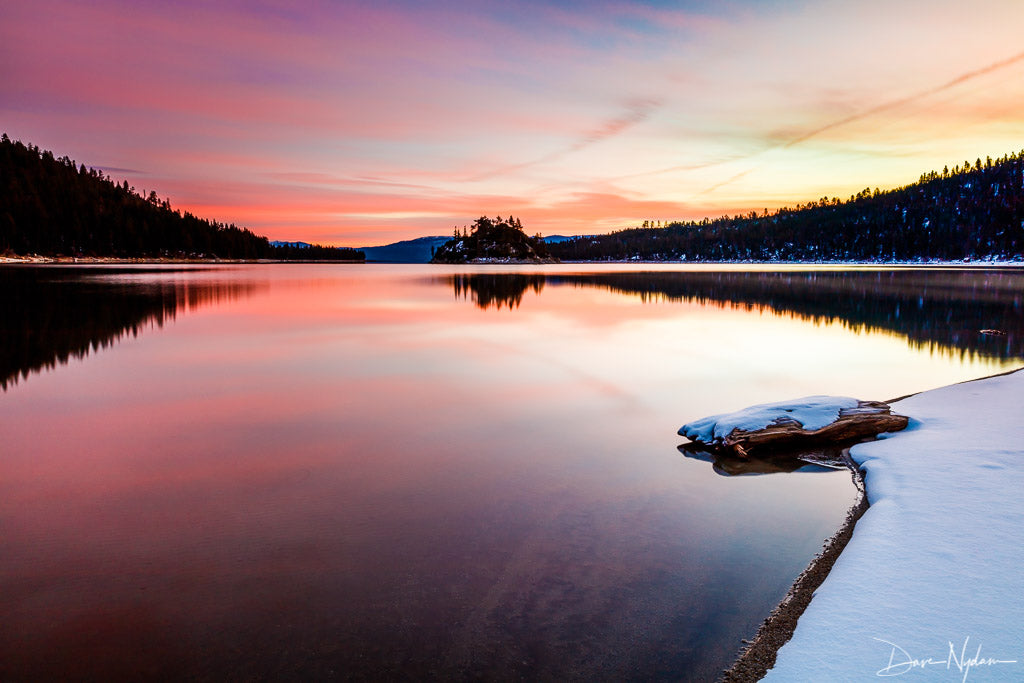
(930, 585)
(934, 263)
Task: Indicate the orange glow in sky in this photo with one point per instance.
(362, 124)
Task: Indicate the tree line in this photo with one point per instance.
(973, 211)
(55, 207)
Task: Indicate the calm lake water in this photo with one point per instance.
(366, 471)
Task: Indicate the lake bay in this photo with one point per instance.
(372, 471)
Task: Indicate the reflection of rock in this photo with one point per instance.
(794, 424)
(730, 465)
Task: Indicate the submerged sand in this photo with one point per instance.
(758, 655)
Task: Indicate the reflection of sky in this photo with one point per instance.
(348, 459)
(359, 123)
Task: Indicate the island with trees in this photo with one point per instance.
(493, 241)
(54, 207)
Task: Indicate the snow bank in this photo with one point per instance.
(931, 586)
(813, 412)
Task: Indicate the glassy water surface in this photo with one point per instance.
(359, 471)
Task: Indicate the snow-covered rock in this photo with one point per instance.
(813, 418)
(813, 412)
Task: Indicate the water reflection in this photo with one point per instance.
(496, 290)
(350, 475)
(942, 311)
(730, 465)
(55, 314)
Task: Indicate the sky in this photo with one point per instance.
(358, 124)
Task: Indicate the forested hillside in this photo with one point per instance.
(974, 211)
(51, 206)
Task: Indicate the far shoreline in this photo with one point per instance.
(115, 260)
(866, 264)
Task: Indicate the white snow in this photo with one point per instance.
(931, 586)
(813, 412)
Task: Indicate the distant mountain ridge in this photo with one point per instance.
(556, 239)
(419, 250)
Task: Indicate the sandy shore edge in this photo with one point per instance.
(758, 655)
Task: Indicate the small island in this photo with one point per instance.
(493, 241)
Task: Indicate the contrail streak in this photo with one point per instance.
(636, 112)
(885, 106)
(905, 100)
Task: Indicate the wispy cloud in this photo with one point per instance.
(903, 101)
(117, 169)
(636, 111)
(328, 180)
(318, 120)
(873, 111)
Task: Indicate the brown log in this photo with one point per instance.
(868, 419)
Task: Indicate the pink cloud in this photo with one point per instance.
(342, 121)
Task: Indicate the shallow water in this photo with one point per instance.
(357, 471)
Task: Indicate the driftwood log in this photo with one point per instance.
(865, 420)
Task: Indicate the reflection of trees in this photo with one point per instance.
(54, 314)
(943, 310)
(495, 289)
(939, 309)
